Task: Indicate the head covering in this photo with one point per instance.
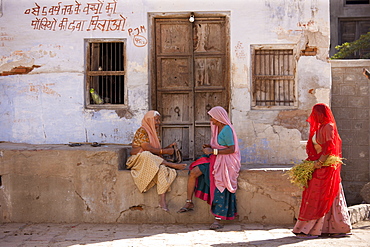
(148, 123)
(227, 166)
(320, 116)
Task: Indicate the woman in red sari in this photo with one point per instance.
(323, 209)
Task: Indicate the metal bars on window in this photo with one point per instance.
(273, 78)
(106, 73)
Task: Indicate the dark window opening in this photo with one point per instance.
(105, 73)
(351, 30)
(357, 1)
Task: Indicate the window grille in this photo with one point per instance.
(105, 73)
(273, 77)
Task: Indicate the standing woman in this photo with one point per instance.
(323, 209)
(146, 162)
(213, 177)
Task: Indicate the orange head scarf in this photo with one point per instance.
(148, 123)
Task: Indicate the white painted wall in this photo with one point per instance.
(46, 106)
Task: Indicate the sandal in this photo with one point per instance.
(188, 208)
(216, 226)
(305, 236)
(339, 235)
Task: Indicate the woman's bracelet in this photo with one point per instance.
(215, 151)
(161, 152)
(321, 162)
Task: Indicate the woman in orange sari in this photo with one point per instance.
(146, 162)
(323, 208)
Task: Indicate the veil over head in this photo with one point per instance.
(148, 123)
(320, 116)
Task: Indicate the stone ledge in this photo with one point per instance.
(58, 183)
(359, 213)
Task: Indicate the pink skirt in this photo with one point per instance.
(337, 220)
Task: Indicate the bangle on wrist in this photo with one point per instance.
(321, 162)
(161, 152)
(215, 151)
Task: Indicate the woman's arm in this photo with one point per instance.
(326, 136)
(227, 150)
(158, 151)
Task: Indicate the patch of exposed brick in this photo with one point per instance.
(19, 70)
(309, 51)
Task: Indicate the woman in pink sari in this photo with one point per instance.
(213, 177)
(323, 209)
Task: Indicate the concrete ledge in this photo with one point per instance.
(58, 183)
(359, 213)
(62, 184)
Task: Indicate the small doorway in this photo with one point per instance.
(189, 75)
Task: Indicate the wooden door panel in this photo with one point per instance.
(202, 136)
(209, 72)
(204, 101)
(175, 108)
(173, 73)
(209, 36)
(173, 36)
(179, 134)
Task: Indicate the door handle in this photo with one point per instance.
(177, 110)
(208, 107)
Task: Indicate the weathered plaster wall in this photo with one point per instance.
(46, 105)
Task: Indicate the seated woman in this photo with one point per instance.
(213, 177)
(146, 162)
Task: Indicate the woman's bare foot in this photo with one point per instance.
(162, 202)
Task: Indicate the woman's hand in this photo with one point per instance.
(207, 150)
(318, 164)
(172, 145)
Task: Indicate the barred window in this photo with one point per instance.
(105, 73)
(273, 77)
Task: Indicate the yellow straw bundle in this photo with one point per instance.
(301, 173)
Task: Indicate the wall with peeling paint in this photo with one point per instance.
(46, 104)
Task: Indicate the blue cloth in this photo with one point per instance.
(226, 138)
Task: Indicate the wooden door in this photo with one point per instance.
(191, 76)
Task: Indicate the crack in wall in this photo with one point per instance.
(258, 190)
(84, 201)
(139, 207)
